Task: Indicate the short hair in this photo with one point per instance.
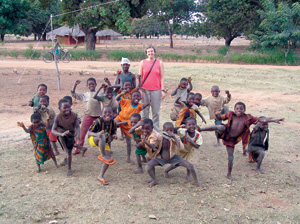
(189, 119)
(42, 85)
(183, 79)
(240, 103)
(138, 116)
(63, 100)
(198, 94)
(190, 94)
(148, 121)
(69, 99)
(135, 91)
(109, 89)
(150, 46)
(215, 86)
(168, 124)
(127, 81)
(91, 79)
(35, 116)
(45, 97)
(107, 107)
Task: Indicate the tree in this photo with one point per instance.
(231, 18)
(173, 13)
(147, 26)
(280, 26)
(13, 15)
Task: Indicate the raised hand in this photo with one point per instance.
(20, 124)
(77, 82)
(227, 92)
(278, 120)
(189, 79)
(106, 80)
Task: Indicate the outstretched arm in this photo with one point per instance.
(21, 124)
(269, 120)
(173, 93)
(140, 123)
(190, 84)
(198, 112)
(75, 85)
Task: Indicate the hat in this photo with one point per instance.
(125, 61)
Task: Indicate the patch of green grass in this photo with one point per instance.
(83, 55)
(29, 53)
(209, 51)
(214, 58)
(3, 53)
(198, 51)
(116, 55)
(14, 54)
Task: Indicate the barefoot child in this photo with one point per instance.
(181, 91)
(40, 141)
(191, 139)
(129, 107)
(140, 150)
(101, 134)
(189, 109)
(170, 144)
(216, 102)
(35, 102)
(66, 127)
(236, 129)
(92, 112)
(47, 113)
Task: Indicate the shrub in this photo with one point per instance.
(116, 55)
(169, 56)
(223, 50)
(29, 53)
(79, 55)
(14, 54)
(215, 58)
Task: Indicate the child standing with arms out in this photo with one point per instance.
(48, 114)
(189, 109)
(181, 92)
(101, 134)
(140, 150)
(129, 107)
(92, 112)
(216, 102)
(35, 102)
(170, 144)
(66, 127)
(191, 139)
(236, 129)
(40, 141)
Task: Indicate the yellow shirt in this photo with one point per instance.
(214, 103)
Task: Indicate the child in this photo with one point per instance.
(140, 150)
(189, 109)
(92, 112)
(181, 91)
(170, 144)
(66, 127)
(47, 113)
(191, 139)
(40, 141)
(101, 134)
(35, 102)
(150, 139)
(258, 144)
(198, 98)
(125, 75)
(216, 102)
(129, 107)
(107, 99)
(236, 129)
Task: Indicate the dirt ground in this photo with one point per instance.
(29, 197)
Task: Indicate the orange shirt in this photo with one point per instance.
(127, 96)
(127, 109)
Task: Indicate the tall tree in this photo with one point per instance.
(173, 12)
(147, 26)
(231, 18)
(280, 26)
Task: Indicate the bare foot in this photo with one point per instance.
(148, 180)
(121, 138)
(217, 144)
(189, 178)
(64, 162)
(199, 184)
(166, 175)
(38, 169)
(69, 173)
(138, 170)
(230, 177)
(153, 183)
(83, 150)
(130, 161)
(259, 170)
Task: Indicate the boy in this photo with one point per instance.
(66, 127)
(236, 129)
(150, 138)
(181, 91)
(198, 98)
(101, 134)
(129, 107)
(125, 75)
(170, 144)
(189, 109)
(92, 112)
(216, 102)
(35, 102)
(140, 150)
(48, 114)
(191, 140)
(107, 99)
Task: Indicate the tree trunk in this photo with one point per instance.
(171, 35)
(90, 41)
(44, 36)
(145, 36)
(2, 37)
(34, 36)
(228, 40)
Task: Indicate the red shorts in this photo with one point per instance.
(52, 137)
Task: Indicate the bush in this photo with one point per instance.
(169, 56)
(3, 53)
(223, 50)
(214, 58)
(80, 55)
(14, 54)
(116, 55)
(29, 53)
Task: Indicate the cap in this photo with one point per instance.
(125, 61)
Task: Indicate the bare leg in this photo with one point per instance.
(122, 136)
(103, 169)
(62, 141)
(55, 162)
(188, 175)
(128, 142)
(218, 141)
(38, 168)
(139, 164)
(219, 128)
(151, 170)
(166, 171)
(69, 172)
(144, 159)
(191, 170)
(54, 147)
(261, 155)
(230, 151)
